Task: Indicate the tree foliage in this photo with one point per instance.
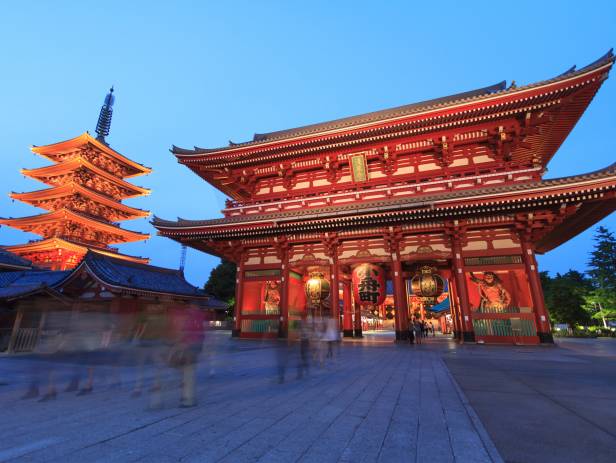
(565, 297)
(601, 301)
(576, 298)
(602, 264)
(221, 283)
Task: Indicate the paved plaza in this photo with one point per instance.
(377, 401)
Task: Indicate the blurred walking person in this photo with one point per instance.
(418, 334)
(303, 363)
(187, 348)
(152, 346)
(331, 336)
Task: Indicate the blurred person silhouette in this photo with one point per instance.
(121, 346)
(152, 346)
(317, 340)
(95, 330)
(331, 336)
(47, 352)
(411, 329)
(417, 328)
(70, 350)
(303, 363)
(188, 333)
(283, 352)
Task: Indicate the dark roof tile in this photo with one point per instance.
(131, 275)
(10, 260)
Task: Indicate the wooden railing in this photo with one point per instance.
(25, 339)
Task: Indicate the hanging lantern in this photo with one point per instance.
(317, 288)
(427, 283)
(369, 284)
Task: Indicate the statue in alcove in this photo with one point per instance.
(493, 295)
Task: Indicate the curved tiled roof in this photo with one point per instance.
(10, 260)
(15, 284)
(386, 114)
(377, 115)
(135, 276)
(114, 273)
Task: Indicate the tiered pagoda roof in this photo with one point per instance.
(60, 246)
(73, 196)
(87, 186)
(81, 171)
(96, 151)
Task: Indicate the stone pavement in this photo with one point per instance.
(385, 403)
(543, 404)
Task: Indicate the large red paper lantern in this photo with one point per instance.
(369, 284)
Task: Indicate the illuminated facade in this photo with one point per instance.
(84, 201)
(451, 187)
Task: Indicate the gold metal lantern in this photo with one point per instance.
(317, 288)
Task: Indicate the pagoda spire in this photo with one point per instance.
(104, 118)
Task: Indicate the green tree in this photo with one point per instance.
(221, 283)
(601, 302)
(565, 297)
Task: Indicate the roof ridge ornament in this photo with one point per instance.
(104, 118)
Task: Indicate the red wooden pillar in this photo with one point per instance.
(542, 319)
(335, 291)
(400, 300)
(283, 330)
(468, 333)
(358, 327)
(239, 288)
(455, 308)
(347, 320)
(396, 316)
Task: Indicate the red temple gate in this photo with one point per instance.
(454, 183)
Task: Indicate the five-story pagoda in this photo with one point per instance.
(84, 201)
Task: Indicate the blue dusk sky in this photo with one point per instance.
(203, 73)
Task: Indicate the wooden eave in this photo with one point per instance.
(71, 188)
(67, 146)
(43, 289)
(61, 215)
(512, 198)
(59, 243)
(587, 215)
(62, 168)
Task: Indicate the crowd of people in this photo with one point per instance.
(79, 351)
(319, 343)
(419, 329)
(81, 346)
